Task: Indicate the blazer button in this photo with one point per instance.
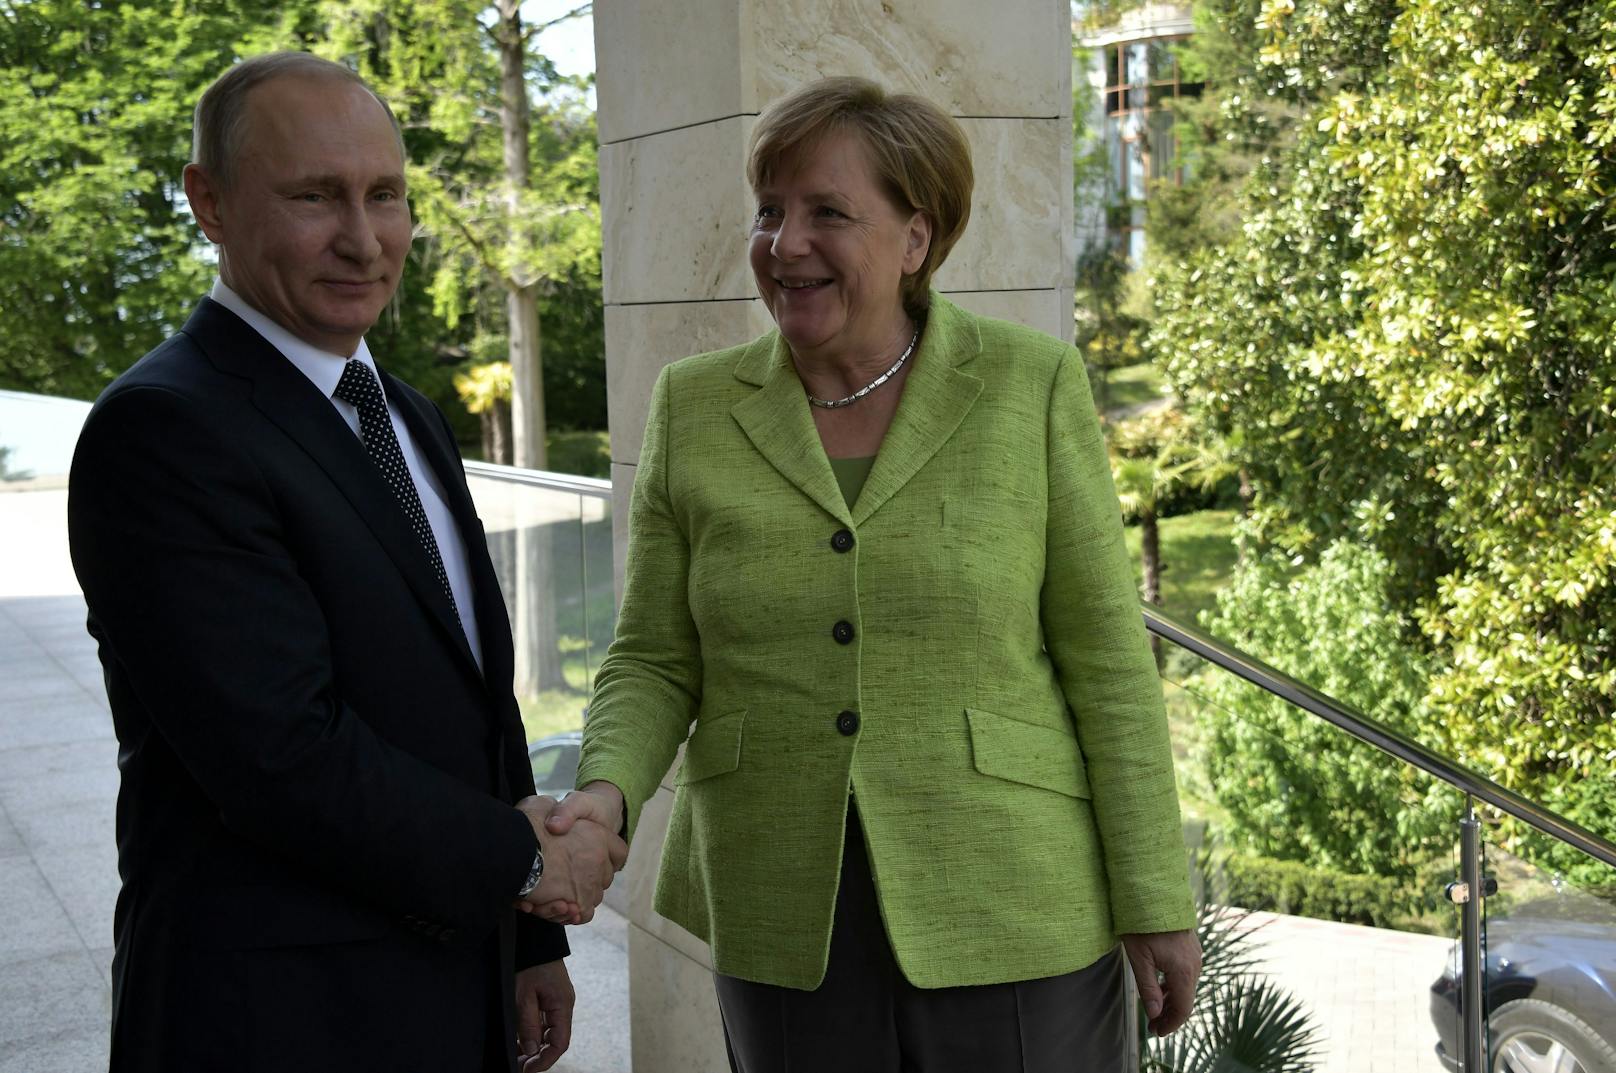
(843, 632)
(841, 540)
(848, 723)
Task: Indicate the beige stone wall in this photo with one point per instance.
(680, 87)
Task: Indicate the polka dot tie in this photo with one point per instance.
(358, 387)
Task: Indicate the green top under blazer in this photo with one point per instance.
(1009, 750)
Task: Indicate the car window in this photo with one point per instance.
(555, 767)
(544, 762)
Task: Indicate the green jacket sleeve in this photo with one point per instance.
(649, 685)
(1096, 639)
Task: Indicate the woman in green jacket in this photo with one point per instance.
(876, 575)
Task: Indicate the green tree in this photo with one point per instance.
(1154, 456)
(98, 260)
(1408, 346)
(507, 192)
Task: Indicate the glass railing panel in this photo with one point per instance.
(1323, 864)
(599, 605)
(536, 539)
(37, 434)
(1549, 975)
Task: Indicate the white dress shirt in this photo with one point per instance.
(324, 370)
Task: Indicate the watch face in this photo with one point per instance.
(534, 874)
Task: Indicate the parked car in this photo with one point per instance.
(1549, 989)
(555, 762)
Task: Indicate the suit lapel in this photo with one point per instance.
(778, 422)
(493, 626)
(287, 398)
(438, 452)
(936, 398)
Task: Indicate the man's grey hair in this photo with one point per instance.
(221, 113)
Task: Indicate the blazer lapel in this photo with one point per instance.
(936, 398)
(287, 399)
(778, 422)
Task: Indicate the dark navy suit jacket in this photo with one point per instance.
(315, 835)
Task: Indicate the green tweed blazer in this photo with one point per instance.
(1007, 743)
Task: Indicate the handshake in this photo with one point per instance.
(582, 851)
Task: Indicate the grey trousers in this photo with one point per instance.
(866, 1018)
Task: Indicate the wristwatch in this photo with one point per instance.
(534, 874)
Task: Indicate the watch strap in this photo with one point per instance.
(534, 875)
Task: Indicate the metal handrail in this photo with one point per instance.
(593, 487)
(1377, 734)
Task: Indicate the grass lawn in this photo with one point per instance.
(1130, 386)
(1197, 555)
(580, 452)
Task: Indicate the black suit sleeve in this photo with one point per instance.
(178, 544)
(538, 941)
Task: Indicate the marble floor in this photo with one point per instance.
(58, 861)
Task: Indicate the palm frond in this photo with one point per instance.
(1250, 1026)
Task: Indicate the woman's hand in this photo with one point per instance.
(1170, 960)
(600, 802)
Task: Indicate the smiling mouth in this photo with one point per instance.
(802, 284)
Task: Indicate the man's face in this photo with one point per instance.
(314, 229)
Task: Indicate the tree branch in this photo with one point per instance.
(581, 9)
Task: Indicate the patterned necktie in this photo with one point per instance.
(358, 386)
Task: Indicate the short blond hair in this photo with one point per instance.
(918, 151)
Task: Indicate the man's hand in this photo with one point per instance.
(599, 803)
(1176, 955)
(578, 866)
(544, 999)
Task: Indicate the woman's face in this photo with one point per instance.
(829, 250)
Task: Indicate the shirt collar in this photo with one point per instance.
(322, 367)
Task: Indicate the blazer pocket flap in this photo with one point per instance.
(1027, 753)
(714, 748)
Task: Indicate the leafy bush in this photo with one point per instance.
(1294, 787)
(1297, 888)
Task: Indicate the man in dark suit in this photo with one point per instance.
(326, 814)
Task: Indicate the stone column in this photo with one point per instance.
(680, 87)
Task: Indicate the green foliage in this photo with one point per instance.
(1158, 455)
(97, 261)
(1107, 332)
(1297, 888)
(1132, 385)
(1253, 1026)
(1408, 345)
(435, 62)
(1294, 787)
(584, 453)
